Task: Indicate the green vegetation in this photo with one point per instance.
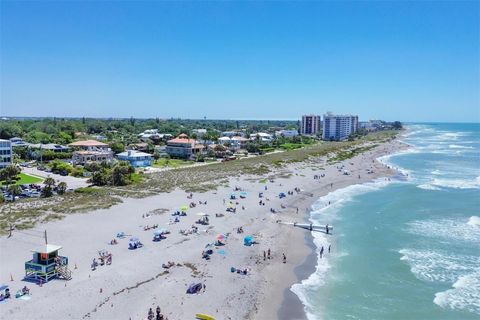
(119, 174)
(27, 179)
(350, 153)
(171, 163)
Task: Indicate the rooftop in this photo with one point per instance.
(48, 248)
(88, 143)
(181, 140)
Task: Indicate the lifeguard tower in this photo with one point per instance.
(47, 264)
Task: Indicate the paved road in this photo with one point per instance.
(72, 182)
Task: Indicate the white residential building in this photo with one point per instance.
(5, 153)
(261, 136)
(286, 133)
(310, 125)
(338, 127)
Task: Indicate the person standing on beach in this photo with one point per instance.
(284, 258)
(328, 248)
(268, 253)
(264, 255)
(326, 228)
(297, 210)
(321, 253)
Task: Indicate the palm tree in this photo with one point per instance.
(50, 182)
(14, 190)
(61, 187)
(9, 173)
(49, 185)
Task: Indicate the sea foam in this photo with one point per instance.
(464, 295)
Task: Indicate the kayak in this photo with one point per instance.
(204, 316)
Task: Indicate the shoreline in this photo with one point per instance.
(290, 305)
(292, 308)
(143, 283)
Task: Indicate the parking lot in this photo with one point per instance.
(72, 182)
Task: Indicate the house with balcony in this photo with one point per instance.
(90, 150)
(183, 147)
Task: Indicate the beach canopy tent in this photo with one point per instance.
(194, 288)
(248, 240)
(202, 214)
(134, 243)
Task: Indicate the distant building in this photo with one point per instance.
(5, 153)
(48, 146)
(183, 147)
(339, 127)
(261, 136)
(310, 125)
(237, 143)
(199, 132)
(90, 150)
(17, 142)
(286, 133)
(232, 134)
(136, 158)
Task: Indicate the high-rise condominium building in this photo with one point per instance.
(338, 127)
(310, 124)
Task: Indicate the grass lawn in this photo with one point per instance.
(171, 163)
(26, 179)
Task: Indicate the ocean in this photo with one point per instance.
(406, 248)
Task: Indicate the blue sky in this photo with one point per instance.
(411, 61)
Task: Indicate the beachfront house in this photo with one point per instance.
(90, 150)
(6, 155)
(136, 158)
(238, 143)
(183, 147)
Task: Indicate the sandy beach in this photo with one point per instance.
(136, 280)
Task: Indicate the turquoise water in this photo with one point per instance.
(406, 249)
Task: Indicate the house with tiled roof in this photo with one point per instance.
(183, 147)
(90, 150)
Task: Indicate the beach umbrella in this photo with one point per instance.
(162, 230)
(202, 214)
(243, 194)
(221, 237)
(133, 239)
(157, 232)
(184, 208)
(248, 240)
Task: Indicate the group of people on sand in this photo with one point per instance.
(157, 315)
(22, 292)
(318, 176)
(267, 255)
(105, 258)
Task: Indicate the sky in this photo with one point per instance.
(408, 61)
